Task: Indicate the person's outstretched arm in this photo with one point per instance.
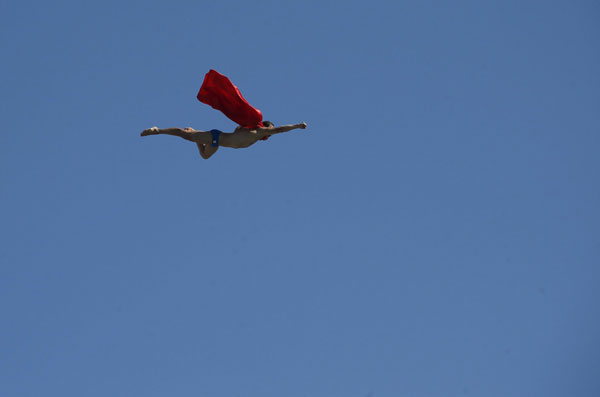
(280, 129)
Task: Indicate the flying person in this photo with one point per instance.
(220, 93)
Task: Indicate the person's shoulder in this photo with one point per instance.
(263, 131)
(253, 130)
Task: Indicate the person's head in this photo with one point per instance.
(267, 124)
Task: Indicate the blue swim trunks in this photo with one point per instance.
(215, 137)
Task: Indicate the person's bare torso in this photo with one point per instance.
(240, 138)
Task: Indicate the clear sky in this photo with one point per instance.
(434, 232)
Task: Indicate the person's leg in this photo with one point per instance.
(206, 150)
(187, 134)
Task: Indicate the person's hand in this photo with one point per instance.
(302, 125)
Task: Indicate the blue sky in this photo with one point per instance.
(434, 232)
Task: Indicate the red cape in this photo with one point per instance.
(219, 92)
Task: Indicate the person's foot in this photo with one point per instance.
(150, 131)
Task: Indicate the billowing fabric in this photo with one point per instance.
(219, 92)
